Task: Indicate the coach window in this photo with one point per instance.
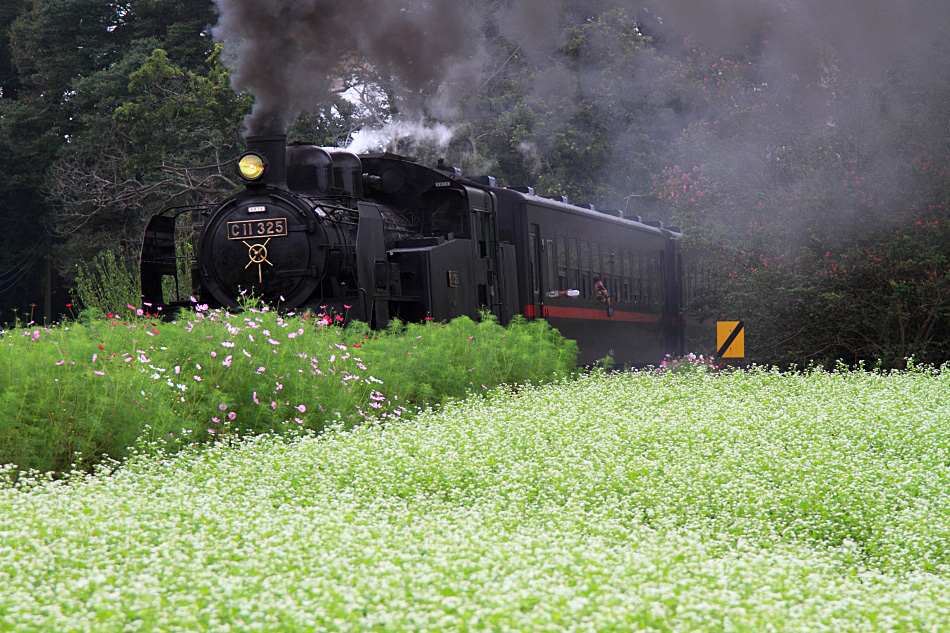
(627, 292)
(648, 281)
(618, 268)
(573, 280)
(595, 260)
(549, 248)
(654, 281)
(611, 270)
(637, 278)
(585, 270)
(561, 263)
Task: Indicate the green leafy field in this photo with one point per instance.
(85, 389)
(747, 501)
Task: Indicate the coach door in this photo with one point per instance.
(669, 295)
(534, 271)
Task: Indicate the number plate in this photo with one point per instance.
(250, 229)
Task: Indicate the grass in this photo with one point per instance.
(91, 388)
(743, 501)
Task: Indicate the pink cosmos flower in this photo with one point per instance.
(301, 408)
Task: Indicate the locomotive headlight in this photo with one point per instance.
(251, 166)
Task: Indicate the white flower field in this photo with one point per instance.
(747, 501)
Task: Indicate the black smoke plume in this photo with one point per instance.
(287, 53)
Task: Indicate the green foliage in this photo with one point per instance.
(823, 226)
(94, 386)
(64, 68)
(106, 282)
(472, 357)
(174, 115)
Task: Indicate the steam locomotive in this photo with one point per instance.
(380, 236)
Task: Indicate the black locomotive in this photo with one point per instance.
(379, 236)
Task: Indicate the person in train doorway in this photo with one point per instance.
(601, 295)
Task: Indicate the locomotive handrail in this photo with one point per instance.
(183, 208)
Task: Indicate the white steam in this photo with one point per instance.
(399, 136)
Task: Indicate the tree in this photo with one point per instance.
(67, 59)
(811, 204)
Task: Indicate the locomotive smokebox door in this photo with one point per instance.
(267, 245)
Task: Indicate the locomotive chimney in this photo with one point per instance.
(274, 150)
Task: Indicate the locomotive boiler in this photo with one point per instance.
(379, 236)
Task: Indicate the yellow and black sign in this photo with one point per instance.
(730, 339)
